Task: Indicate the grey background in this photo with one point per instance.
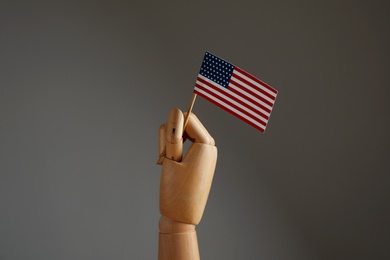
(84, 87)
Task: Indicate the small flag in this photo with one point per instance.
(235, 91)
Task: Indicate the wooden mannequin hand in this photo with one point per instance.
(185, 183)
(184, 186)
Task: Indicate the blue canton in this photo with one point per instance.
(216, 69)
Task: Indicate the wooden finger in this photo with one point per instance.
(196, 132)
(161, 144)
(173, 135)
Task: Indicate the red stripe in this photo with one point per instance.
(252, 86)
(231, 112)
(252, 100)
(235, 99)
(237, 84)
(256, 79)
(228, 102)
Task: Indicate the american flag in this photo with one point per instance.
(235, 91)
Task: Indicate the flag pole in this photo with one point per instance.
(189, 111)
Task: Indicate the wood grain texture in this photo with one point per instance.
(178, 246)
(184, 185)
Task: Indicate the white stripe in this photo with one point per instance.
(243, 84)
(220, 93)
(255, 83)
(254, 106)
(232, 86)
(229, 107)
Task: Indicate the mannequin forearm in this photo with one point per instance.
(177, 241)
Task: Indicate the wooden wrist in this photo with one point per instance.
(177, 240)
(170, 226)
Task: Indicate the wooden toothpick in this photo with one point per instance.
(189, 111)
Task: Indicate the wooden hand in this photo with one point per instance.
(185, 184)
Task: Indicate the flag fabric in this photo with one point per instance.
(235, 91)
